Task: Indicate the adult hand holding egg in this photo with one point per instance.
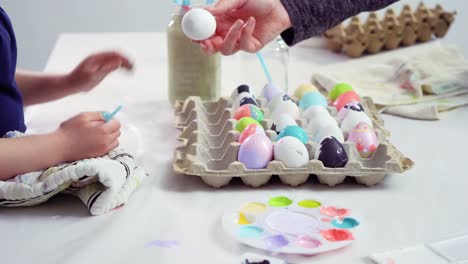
(246, 25)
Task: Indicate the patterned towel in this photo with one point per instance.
(102, 184)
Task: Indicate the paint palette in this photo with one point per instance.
(282, 225)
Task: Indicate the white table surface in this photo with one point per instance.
(425, 204)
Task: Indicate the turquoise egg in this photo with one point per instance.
(312, 99)
(294, 131)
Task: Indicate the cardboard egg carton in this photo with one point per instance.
(390, 32)
(209, 150)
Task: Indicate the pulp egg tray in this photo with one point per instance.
(282, 225)
(209, 148)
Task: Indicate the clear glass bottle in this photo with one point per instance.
(190, 72)
(276, 55)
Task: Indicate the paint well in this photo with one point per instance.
(280, 201)
(346, 223)
(292, 223)
(254, 208)
(309, 204)
(250, 231)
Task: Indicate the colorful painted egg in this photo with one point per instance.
(352, 119)
(244, 88)
(244, 122)
(339, 89)
(288, 108)
(249, 131)
(294, 131)
(328, 131)
(282, 122)
(314, 111)
(303, 89)
(256, 151)
(271, 90)
(353, 106)
(345, 99)
(311, 99)
(249, 111)
(277, 100)
(292, 152)
(365, 139)
(332, 153)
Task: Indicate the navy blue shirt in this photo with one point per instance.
(11, 101)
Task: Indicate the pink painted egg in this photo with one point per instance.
(365, 139)
(345, 99)
(249, 131)
(256, 151)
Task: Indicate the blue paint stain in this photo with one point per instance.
(250, 231)
(346, 223)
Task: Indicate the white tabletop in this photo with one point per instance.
(425, 204)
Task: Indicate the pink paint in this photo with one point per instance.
(336, 235)
(308, 242)
(334, 212)
(326, 220)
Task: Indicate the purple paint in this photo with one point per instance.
(276, 242)
(163, 243)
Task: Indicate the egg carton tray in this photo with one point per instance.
(209, 149)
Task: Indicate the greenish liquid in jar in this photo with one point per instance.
(191, 72)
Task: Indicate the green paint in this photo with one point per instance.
(280, 201)
(309, 204)
(245, 122)
(339, 89)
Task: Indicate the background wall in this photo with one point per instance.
(38, 22)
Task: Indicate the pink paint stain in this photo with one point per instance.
(334, 212)
(118, 207)
(326, 220)
(336, 235)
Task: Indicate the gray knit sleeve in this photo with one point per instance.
(313, 17)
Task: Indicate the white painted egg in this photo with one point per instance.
(352, 119)
(281, 122)
(353, 106)
(198, 24)
(288, 108)
(244, 88)
(314, 111)
(328, 131)
(292, 152)
(271, 90)
(242, 99)
(319, 122)
(277, 100)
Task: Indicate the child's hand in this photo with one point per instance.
(91, 71)
(87, 135)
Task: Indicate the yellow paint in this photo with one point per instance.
(243, 220)
(255, 208)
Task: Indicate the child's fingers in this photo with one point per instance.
(114, 136)
(247, 41)
(113, 145)
(230, 41)
(112, 126)
(91, 116)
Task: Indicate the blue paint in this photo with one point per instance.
(250, 231)
(294, 131)
(346, 223)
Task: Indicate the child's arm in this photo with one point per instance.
(39, 88)
(83, 136)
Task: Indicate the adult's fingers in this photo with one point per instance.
(230, 41)
(112, 126)
(247, 41)
(225, 6)
(91, 116)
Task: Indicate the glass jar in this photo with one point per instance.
(190, 72)
(276, 56)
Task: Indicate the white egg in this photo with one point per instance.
(328, 131)
(288, 108)
(282, 122)
(291, 152)
(319, 122)
(198, 24)
(353, 106)
(314, 111)
(277, 100)
(352, 119)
